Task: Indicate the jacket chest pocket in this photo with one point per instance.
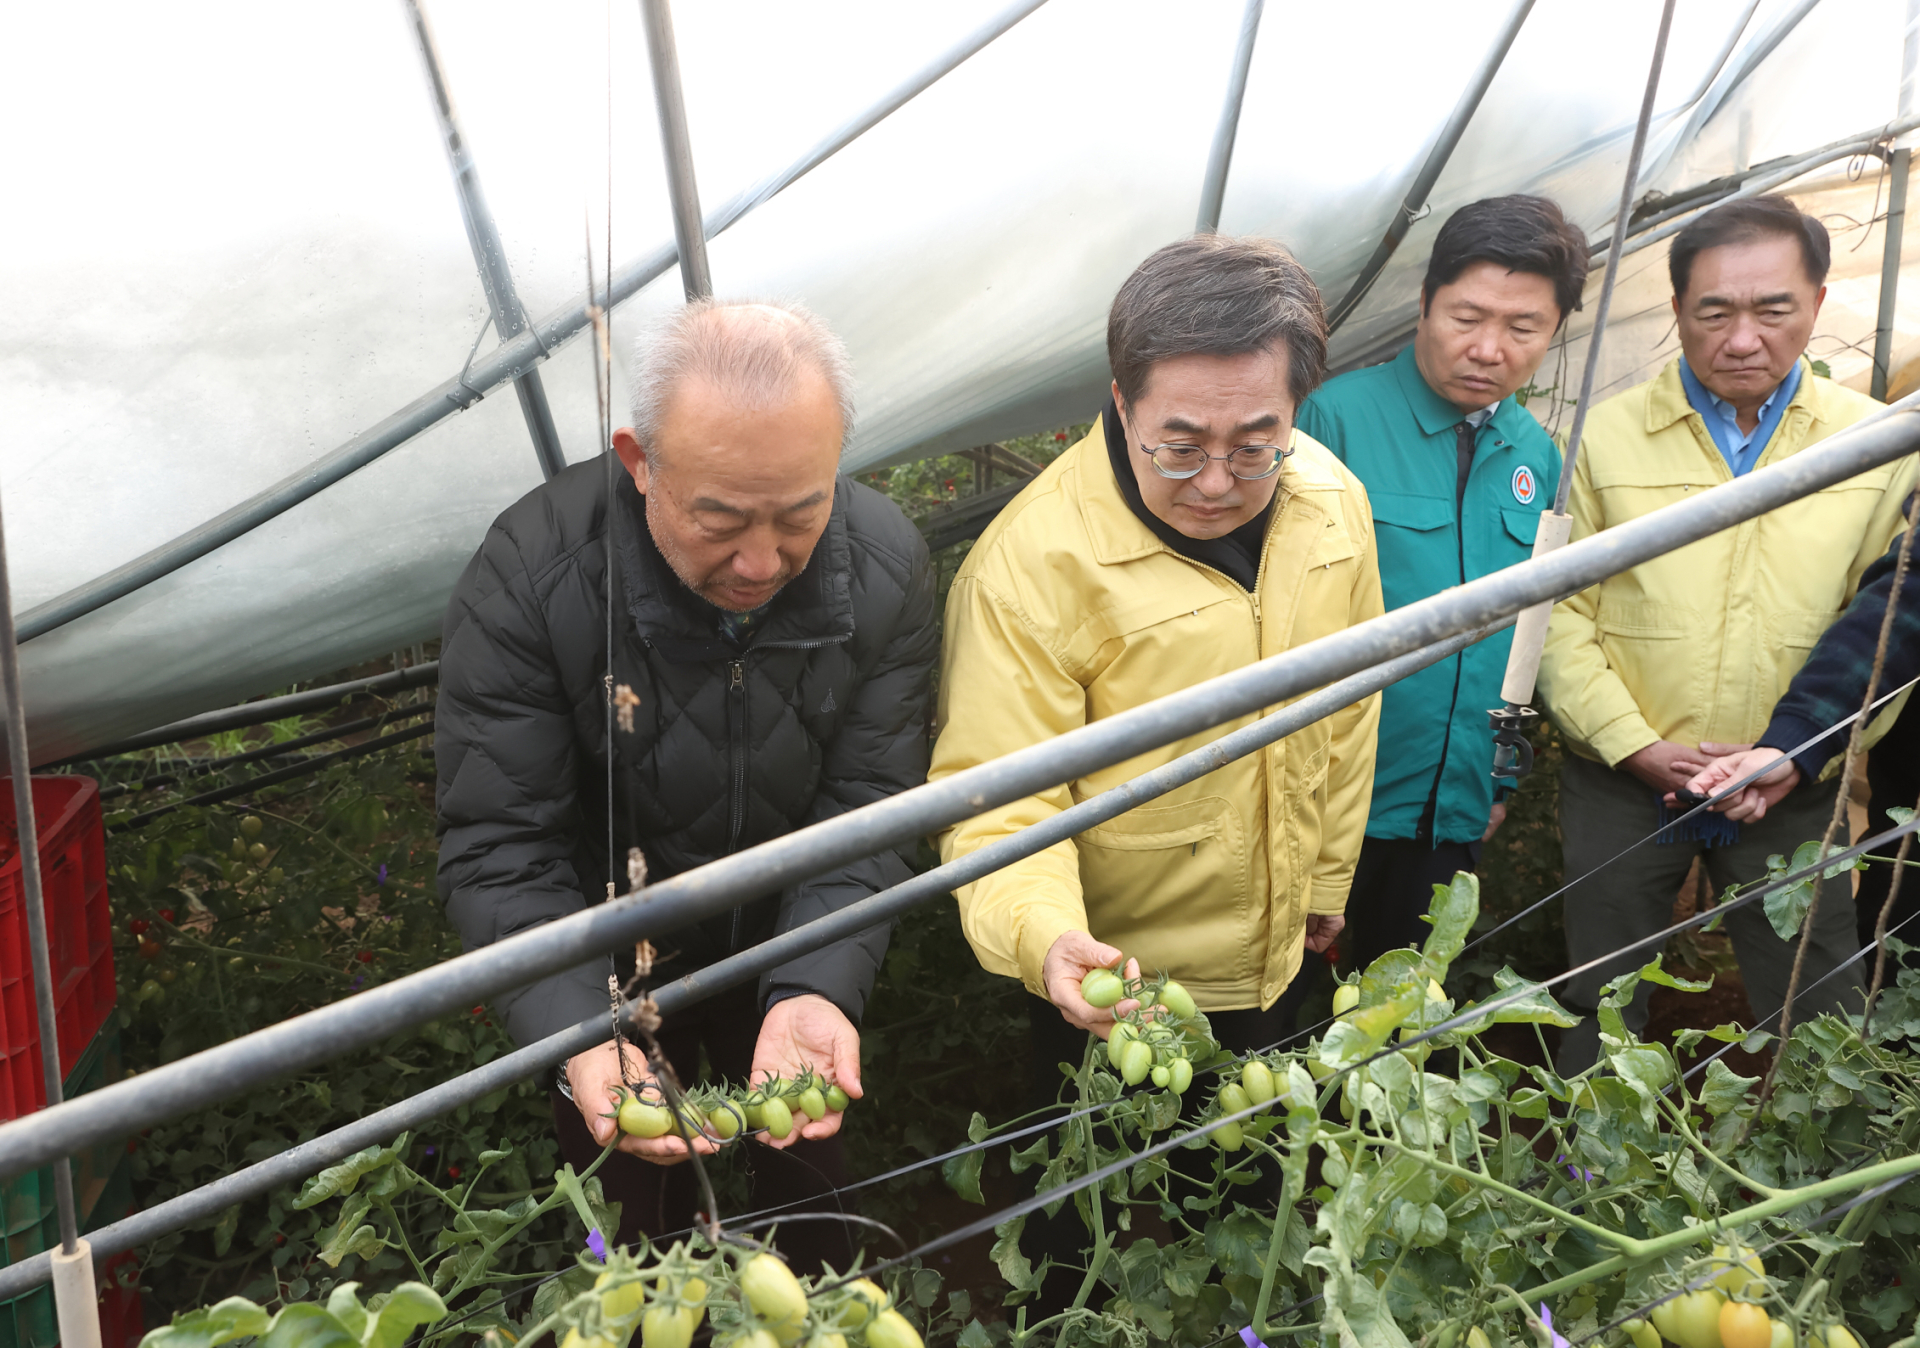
(1414, 535)
(1168, 882)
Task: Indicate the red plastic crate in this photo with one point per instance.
(73, 872)
(122, 1319)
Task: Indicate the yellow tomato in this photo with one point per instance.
(1737, 1267)
(1643, 1334)
(1345, 998)
(1477, 1338)
(1745, 1326)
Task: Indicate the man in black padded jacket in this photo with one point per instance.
(776, 626)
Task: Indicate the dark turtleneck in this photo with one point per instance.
(1236, 554)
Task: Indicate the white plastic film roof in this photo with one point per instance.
(234, 242)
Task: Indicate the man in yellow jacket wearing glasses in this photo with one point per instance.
(1191, 533)
(1652, 672)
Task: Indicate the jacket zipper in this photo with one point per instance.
(1430, 816)
(737, 760)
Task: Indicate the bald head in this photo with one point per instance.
(754, 357)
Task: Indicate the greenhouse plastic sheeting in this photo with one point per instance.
(234, 242)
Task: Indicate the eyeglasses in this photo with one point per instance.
(1249, 463)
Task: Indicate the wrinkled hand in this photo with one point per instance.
(808, 1033)
(1495, 818)
(1664, 765)
(1321, 929)
(595, 1079)
(1070, 959)
(1735, 761)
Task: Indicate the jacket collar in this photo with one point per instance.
(1667, 403)
(1116, 533)
(814, 609)
(1434, 413)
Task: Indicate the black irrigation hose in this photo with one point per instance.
(287, 774)
(267, 751)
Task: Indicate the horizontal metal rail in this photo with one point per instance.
(673, 904)
(296, 1163)
(506, 362)
(265, 710)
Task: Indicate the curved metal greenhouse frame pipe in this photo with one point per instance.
(1213, 188)
(507, 362)
(169, 1091)
(298, 1162)
(1416, 199)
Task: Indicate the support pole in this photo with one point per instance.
(1415, 204)
(1213, 188)
(688, 231)
(509, 317)
(78, 1311)
(1901, 163)
(1556, 526)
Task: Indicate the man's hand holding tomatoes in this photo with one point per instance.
(808, 1033)
(595, 1079)
(1735, 761)
(1070, 959)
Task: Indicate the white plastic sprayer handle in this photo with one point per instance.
(75, 1302)
(1530, 629)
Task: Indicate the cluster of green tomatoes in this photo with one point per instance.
(724, 1112)
(755, 1300)
(1159, 1039)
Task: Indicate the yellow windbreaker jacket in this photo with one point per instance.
(1068, 609)
(1699, 644)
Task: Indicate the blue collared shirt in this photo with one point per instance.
(1740, 449)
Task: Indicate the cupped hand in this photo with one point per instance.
(1321, 930)
(1071, 958)
(595, 1077)
(808, 1033)
(1778, 776)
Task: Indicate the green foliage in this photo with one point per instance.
(339, 896)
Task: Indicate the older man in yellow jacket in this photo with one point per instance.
(1652, 672)
(1191, 533)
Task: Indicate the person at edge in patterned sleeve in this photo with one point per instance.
(1192, 532)
(1654, 671)
(1457, 473)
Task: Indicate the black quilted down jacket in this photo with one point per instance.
(822, 709)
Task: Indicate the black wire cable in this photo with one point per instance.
(1477, 1013)
(287, 774)
(268, 751)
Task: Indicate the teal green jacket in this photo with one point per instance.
(1399, 438)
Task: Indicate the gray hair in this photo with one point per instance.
(756, 364)
(1216, 295)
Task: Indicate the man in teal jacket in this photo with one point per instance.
(1457, 473)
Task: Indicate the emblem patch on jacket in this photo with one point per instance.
(1523, 485)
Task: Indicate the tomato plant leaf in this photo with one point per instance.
(409, 1305)
(234, 1318)
(962, 1174)
(1456, 906)
(1013, 1265)
(341, 1178)
(1724, 1089)
(305, 1325)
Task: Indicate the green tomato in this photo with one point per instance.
(814, 1102)
(1179, 1076)
(666, 1327)
(1161, 1077)
(1135, 1060)
(1345, 998)
(890, 1329)
(1643, 1334)
(1102, 988)
(1233, 1098)
(778, 1121)
(1476, 1337)
(1737, 1267)
(1177, 1000)
(251, 825)
(1691, 1319)
(724, 1120)
(773, 1292)
(866, 1301)
(837, 1100)
(755, 1115)
(1122, 1036)
(1256, 1079)
(1228, 1137)
(622, 1302)
(638, 1118)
